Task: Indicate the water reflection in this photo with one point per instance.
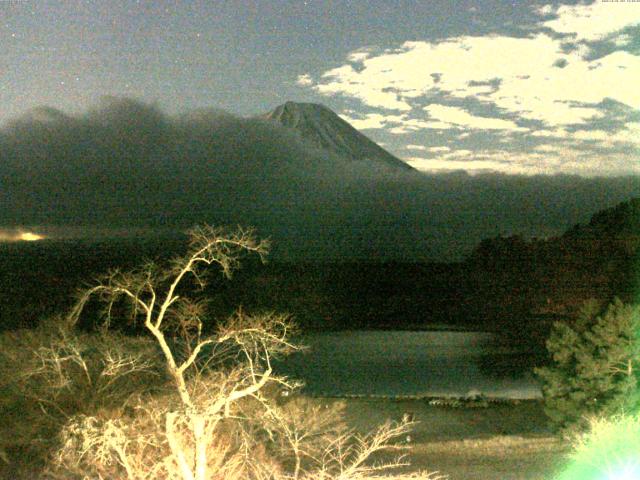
(401, 363)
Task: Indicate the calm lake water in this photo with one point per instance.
(399, 363)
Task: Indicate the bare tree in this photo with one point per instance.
(219, 419)
(154, 293)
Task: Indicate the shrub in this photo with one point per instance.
(594, 370)
(53, 373)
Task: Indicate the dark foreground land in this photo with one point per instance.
(501, 441)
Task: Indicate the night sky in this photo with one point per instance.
(135, 114)
(516, 87)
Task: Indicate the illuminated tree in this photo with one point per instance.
(220, 416)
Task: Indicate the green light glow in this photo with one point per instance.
(610, 451)
(628, 471)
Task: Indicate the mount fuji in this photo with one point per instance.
(324, 129)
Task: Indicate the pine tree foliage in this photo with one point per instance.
(595, 368)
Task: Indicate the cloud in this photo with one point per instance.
(369, 121)
(414, 125)
(622, 40)
(543, 159)
(545, 10)
(459, 153)
(396, 124)
(416, 147)
(557, 133)
(304, 80)
(405, 124)
(571, 95)
(359, 55)
(547, 148)
(347, 81)
(447, 160)
(522, 80)
(439, 165)
(460, 117)
(591, 135)
(556, 83)
(628, 134)
(593, 22)
(537, 162)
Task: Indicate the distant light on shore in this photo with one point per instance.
(30, 237)
(14, 235)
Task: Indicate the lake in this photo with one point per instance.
(410, 363)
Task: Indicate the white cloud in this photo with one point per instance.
(622, 40)
(545, 10)
(359, 55)
(470, 166)
(439, 149)
(347, 81)
(530, 85)
(416, 147)
(304, 80)
(562, 160)
(410, 125)
(370, 121)
(560, 96)
(495, 160)
(546, 148)
(591, 135)
(439, 125)
(396, 123)
(557, 133)
(630, 134)
(460, 117)
(527, 80)
(458, 153)
(416, 124)
(593, 22)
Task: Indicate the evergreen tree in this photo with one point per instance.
(595, 366)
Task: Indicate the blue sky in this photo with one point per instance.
(514, 87)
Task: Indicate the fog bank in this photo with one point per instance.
(125, 165)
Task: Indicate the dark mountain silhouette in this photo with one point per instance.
(554, 276)
(323, 128)
(621, 221)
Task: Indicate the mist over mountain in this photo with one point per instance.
(124, 164)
